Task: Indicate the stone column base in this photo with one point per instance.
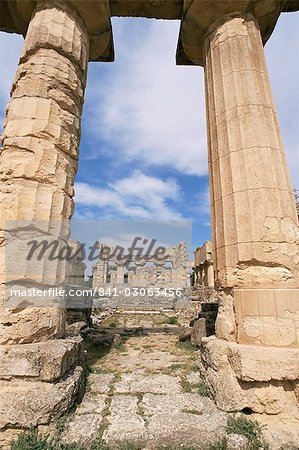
(38, 383)
(253, 379)
(256, 380)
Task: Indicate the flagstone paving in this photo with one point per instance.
(145, 393)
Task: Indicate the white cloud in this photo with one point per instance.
(136, 197)
(283, 62)
(10, 49)
(153, 109)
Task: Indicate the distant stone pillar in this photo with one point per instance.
(254, 221)
(210, 276)
(120, 275)
(113, 276)
(40, 145)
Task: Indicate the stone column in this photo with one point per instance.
(120, 275)
(254, 221)
(210, 275)
(40, 145)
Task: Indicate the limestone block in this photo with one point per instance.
(25, 200)
(42, 118)
(225, 326)
(198, 331)
(267, 316)
(47, 361)
(82, 429)
(40, 160)
(49, 72)
(29, 325)
(156, 384)
(236, 442)
(252, 363)
(25, 403)
(219, 367)
(52, 27)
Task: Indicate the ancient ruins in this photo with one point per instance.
(251, 364)
(146, 272)
(203, 266)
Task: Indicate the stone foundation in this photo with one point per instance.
(258, 380)
(38, 384)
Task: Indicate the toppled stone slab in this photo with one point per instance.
(25, 403)
(44, 361)
(155, 384)
(198, 331)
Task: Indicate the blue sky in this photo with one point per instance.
(143, 153)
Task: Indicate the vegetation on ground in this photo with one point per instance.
(251, 429)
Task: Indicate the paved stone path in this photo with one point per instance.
(147, 393)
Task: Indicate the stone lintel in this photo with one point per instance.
(44, 361)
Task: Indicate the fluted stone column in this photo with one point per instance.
(40, 146)
(254, 221)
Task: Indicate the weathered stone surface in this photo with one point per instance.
(185, 334)
(200, 431)
(236, 442)
(200, 17)
(252, 363)
(126, 425)
(91, 404)
(75, 329)
(47, 361)
(232, 394)
(25, 403)
(198, 331)
(225, 325)
(95, 15)
(100, 382)
(156, 384)
(176, 403)
(267, 316)
(81, 429)
(241, 244)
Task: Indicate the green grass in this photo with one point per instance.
(203, 389)
(221, 445)
(186, 386)
(170, 320)
(251, 429)
(187, 346)
(30, 440)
